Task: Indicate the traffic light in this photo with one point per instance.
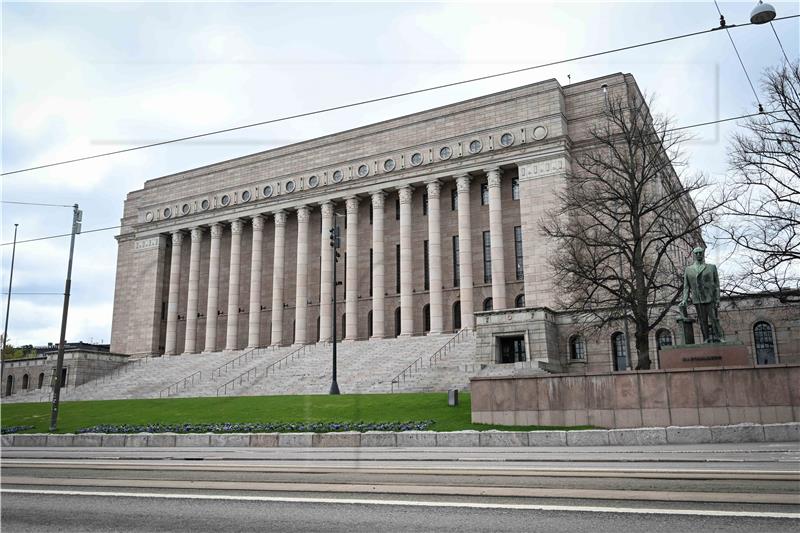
(335, 240)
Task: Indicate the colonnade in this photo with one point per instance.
(377, 198)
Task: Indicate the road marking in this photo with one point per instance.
(415, 489)
(462, 505)
(705, 474)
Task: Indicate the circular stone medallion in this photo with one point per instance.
(539, 133)
(313, 181)
(204, 205)
(475, 146)
(167, 212)
(226, 199)
(416, 159)
(185, 209)
(507, 139)
(268, 191)
(445, 152)
(148, 217)
(337, 176)
(290, 186)
(388, 165)
(246, 195)
(363, 171)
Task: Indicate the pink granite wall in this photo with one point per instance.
(685, 397)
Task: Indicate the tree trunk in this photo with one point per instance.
(642, 347)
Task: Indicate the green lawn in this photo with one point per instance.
(317, 408)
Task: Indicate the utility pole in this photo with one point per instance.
(335, 244)
(77, 216)
(8, 305)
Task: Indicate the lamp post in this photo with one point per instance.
(335, 244)
(8, 304)
(77, 216)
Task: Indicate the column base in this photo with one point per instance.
(434, 333)
(405, 335)
(188, 353)
(208, 351)
(377, 337)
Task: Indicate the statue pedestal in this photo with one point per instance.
(732, 353)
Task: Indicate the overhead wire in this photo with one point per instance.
(786, 57)
(389, 97)
(724, 26)
(697, 125)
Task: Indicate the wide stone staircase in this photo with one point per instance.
(410, 364)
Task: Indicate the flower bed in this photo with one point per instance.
(279, 427)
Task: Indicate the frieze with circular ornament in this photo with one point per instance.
(416, 159)
(204, 205)
(363, 171)
(167, 212)
(389, 165)
(246, 196)
(445, 152)
(539, 133)
(185, 209)
(290, 186)
(225, 200)
(268, 190)
(475, 146)
(337, 176)
(313, 181)
(148, 217)
(507, 139)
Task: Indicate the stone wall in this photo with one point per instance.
(82, 366)
(660, 398)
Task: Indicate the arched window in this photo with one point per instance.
(369, 324)
(457, 315)
(41, 380)
(9, 385)
(25, 382)
(487, 304)
(426, 318)
(764, 343)
(663, 338)
(519, 301)
(619, 351)
(397, 322)
(577, 348)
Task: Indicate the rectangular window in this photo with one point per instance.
(518, 251)
(426, 265)
(344, 281)
(424, 204)
(397, 209)
(370, 214)
(515, 188)
(484, 194)
(454, 199)
(487, 257)
(456, 263)
(370, 271)
(397, 268)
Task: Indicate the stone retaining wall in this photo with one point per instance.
(427, 439)
(679, 397)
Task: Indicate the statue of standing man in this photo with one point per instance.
(701, 280)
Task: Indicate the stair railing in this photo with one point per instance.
(418, 364)
(184, 382)
(450, 344)
(249, 354)
(253, 372)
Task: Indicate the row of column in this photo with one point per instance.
(433, 188)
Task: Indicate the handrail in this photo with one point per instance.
(190, 378)
(441, 352)
(217, 372)
(417, 365)
(254, 371)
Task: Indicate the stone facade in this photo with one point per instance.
(479, 171)
(80, 366)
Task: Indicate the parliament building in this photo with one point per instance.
(439, 216)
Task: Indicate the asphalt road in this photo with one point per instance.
(669, 488)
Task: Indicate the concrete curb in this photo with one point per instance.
(739, 433)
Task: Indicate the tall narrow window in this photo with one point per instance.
(764, 343)
(344, 281)
(426, 318)
(370, 214)
(484, 194)
(397, 268)
(426, 265)
(397, 209)
(370, 271)
(454, 199)
(424, 204)
(456, 263)
(515, 188)
(518, 252)
(487, 257)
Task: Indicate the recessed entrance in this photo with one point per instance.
(512, 349)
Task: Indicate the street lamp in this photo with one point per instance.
(336, 243)
(762, 13)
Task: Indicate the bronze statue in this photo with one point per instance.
(701, 280)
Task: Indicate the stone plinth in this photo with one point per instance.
(705, 355)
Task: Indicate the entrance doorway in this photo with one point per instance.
(512, 349)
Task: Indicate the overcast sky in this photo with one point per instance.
(79, 79)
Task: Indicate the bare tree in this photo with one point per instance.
(626, 221)
(761, 217)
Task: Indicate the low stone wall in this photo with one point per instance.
(681, 397)
(740, 433)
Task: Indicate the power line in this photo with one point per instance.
(384, 98)
(62, 235)
(697, 125)
(38, 293)
(746, 75)
(34, 203)
(779, 43)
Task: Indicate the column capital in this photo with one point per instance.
(434, 188)
(216, 230)
(280, 218)
(462, 182)
(197, 234)
(352, 204)
(236, 226)
(493, 176)
(327, 208)
(258, 223)
(177, 238)
(303, 213)
(405, 193)
(378, 198)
